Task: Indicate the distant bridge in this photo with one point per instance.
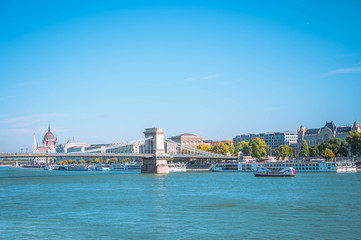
(153, 153)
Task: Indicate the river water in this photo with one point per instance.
(37, 204)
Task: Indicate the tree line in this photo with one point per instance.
(334, 147)
(93, 161)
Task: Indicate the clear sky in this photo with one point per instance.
(103, 71)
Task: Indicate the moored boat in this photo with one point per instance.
(103, 168)
(346, 167)
(275, 172)
(126, 168)
(177, 167)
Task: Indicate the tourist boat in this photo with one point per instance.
(275, 172)
(49, 168)
(234, 167)
(346, 167)
(177, 167)
(73, 168)
(126, 168)
(102, 168)
(314, 165)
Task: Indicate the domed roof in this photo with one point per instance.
(49, 135)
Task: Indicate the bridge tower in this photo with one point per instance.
(154, 144)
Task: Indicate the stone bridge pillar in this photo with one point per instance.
(155, 145)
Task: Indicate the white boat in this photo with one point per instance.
(346, 167)
(177, 167)
(234, 167)
(73, 168)
(318, 165)
(103, 168)
(127, 168)
(48, 168)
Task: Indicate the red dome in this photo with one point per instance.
(49, 136)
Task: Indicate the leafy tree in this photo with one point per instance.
(354, 139)
(170, 159)
(258, 148)
(127, 160)
(314, 152)
(327, 153)
(217, 148)
(292, 152)
(283, 151)
(97, 160)
(228, 147)
(90, 160)
(338, 147)
(204, 147)
(113, 160)
(81, 161)
(59, 163)
(244, 147)
(304, 149)
(65, 162)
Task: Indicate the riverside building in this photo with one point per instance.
(317, 136)
(188, 139)
(272, 139)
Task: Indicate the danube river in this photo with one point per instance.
(37, 204)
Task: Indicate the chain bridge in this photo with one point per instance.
(153, 149)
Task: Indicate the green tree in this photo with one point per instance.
(113, 160)
(336, 145)
(65, 162)
(283, 151)
(304, 149)
(258, 148)
(244, 147)
(97, 160)
(228, 147)
(81, 161)
(217, 148)
(314, 152)
(127, 160)
(327, 153)
(354, 139)
(204, 147)
(90, 160)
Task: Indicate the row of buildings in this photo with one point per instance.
(312, 136)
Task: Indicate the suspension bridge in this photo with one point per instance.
(153, 149)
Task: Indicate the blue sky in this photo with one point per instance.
(103, 71)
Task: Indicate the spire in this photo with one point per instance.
(49, 127)
(34, 144)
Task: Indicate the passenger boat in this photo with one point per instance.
(127, 168)
(177, 167)
(49, 168)
(275, 172)
(234, 167)
(346, 167)
(73, 168)
(102, 168)
(314, 165)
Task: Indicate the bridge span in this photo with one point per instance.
(154, 154)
